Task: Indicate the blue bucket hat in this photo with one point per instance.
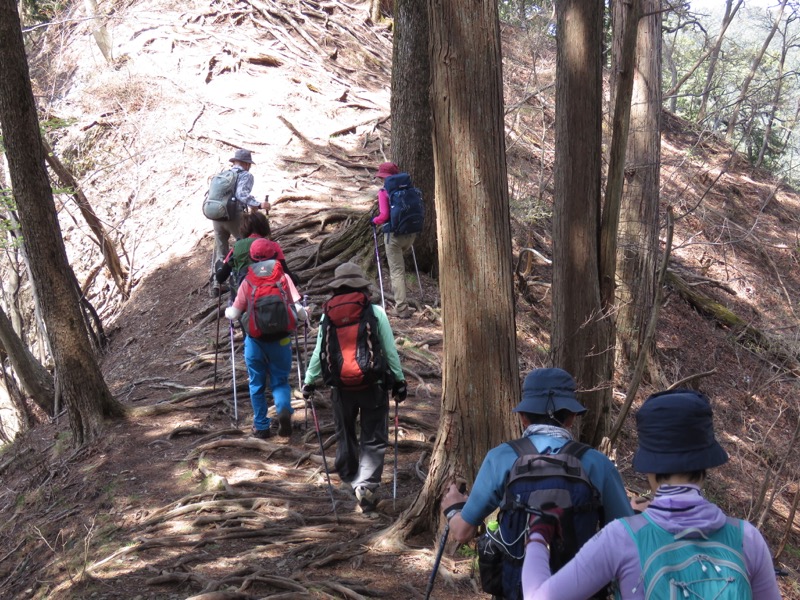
(546, 391)
(676, 434)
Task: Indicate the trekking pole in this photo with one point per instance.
(216, 346)
(438, 561)
(324, 460)
(419, 281)
(233, 371)
(394, 482)
(305, 349)
(378, 262)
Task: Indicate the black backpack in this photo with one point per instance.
(535, 480)
(406, 209)
(351, 355)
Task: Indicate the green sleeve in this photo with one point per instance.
(387, 343)
(314, 369)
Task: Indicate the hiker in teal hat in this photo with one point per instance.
(682, 545)
(548, 409)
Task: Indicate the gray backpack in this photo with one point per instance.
(220, 201)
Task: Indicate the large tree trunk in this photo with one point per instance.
(581, 341)
(637, 239)
(86, 395)
(412, 147)
(480, 371)
(35, 379)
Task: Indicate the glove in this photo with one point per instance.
(452, 510)
(399, 390)
(223, 272)
(547, 522)
(232, 313)
(302, 314)
(308, 389)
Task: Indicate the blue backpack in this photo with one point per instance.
(689, 564)
(406, 209)
(537, 479)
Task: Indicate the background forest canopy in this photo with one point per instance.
(712, 48)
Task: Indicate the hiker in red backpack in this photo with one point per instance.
(357, 358)
(224, 229)
(682, 545)
(254, 226)
(401, 224)
(548, 409)
(269, 307)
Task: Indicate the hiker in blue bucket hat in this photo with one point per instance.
(682, 545)
(548, 409)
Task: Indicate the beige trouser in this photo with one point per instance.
(396, 245)
(223, 230)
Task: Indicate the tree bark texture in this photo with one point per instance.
(35, 379)
(86, 395)
(626, 25)
(637, 237)
(480, 371)
(412, 147)
(581, 334)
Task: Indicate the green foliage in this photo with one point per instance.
(55, 123)
(526, 13)
(41, 11)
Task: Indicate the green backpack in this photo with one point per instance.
(689, 565)
(220, 200)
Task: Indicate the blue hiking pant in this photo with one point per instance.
(273, 359)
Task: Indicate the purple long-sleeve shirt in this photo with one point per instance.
(611, 555)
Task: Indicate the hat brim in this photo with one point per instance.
(352, 282)
(648, 461)
(250, 162)
(538, 405)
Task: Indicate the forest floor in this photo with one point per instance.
(176, 500)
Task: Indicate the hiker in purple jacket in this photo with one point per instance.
(676, 447)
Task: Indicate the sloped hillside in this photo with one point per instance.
(176, 502)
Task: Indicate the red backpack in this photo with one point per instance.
(351, 355)
(269, 315)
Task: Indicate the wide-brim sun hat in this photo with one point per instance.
(349, 275)
(263, 249)
(387, 169)
(547, 391)
(244, 156)
(676, 434)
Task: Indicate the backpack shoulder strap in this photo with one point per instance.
(576, 449)
(523, 446)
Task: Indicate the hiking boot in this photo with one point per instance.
(262, 434)
(284, 423)
(366, 499)
(215, 290)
